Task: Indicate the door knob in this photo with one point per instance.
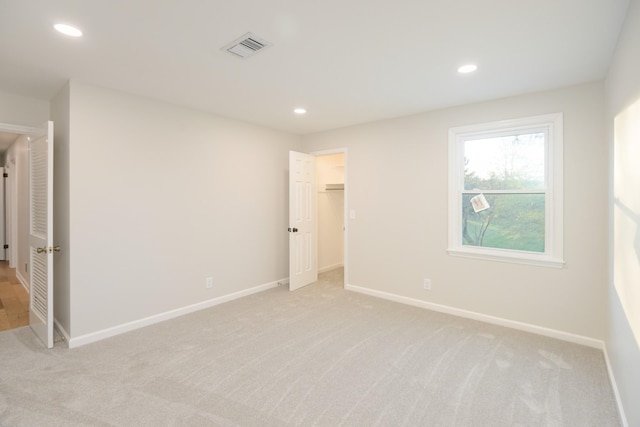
(49, 249)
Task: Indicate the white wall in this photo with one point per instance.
(397, 179)
(17, 161)
(20, 110)
(330, 170)
(161, 197)
(623, 125)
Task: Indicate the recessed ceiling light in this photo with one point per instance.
(68, 30)
(469, 68)
(300, 111)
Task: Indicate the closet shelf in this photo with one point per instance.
(333, 187)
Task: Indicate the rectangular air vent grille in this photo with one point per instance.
(246, 46)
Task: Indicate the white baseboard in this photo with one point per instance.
(137, 324)
(539, 330)
(330, 267)
(614, 385)
(23, 281)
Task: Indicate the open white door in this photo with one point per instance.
(303, 263)
(41, 234)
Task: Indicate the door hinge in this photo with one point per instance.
(6, 246)
(6, 175)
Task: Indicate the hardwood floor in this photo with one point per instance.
(14, 299)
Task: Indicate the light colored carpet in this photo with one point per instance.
(318, 356)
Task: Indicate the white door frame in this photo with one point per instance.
(342, 150)
(12, 214)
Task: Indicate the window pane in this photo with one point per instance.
(512, 221)
(514, 162)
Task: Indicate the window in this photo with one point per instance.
(505, 191)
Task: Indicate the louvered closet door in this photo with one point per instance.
(41, 234)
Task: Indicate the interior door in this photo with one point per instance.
(303, 262)
(41, 234)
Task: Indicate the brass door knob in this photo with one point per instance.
(48, 250)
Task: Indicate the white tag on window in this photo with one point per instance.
(479, 203)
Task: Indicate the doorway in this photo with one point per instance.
(317, 207)
(331, 191)
(14, 281)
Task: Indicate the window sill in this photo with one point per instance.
(514, 257)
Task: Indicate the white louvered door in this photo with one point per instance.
(41, 234)
(303, 262)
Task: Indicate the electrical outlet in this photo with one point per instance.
(427, 284)
(208, 282)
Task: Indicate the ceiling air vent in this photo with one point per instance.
(246, 46)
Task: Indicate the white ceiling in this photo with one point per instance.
(346, 61)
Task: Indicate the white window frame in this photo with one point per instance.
(552, 126)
